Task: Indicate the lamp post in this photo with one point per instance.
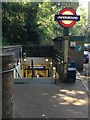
(32, 68)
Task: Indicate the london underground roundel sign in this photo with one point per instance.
(67, 23)
(67, 17)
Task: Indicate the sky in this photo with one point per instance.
(84, 3)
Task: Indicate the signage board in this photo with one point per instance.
(37, 67)
(72, 44)
(67, 17)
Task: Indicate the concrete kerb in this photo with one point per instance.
(83, 82)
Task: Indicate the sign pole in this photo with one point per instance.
(67, 17)
(66, 38)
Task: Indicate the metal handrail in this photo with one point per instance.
(8, 70)
(17, 71)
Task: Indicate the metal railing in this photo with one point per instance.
(58, 56)
(17, 71)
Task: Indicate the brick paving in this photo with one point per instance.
(41, 98)
(85, 76)
(0, 86)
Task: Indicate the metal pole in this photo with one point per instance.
(32, 68)
(66, 37)
(7, 86)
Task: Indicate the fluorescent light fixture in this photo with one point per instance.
(25, 59)
(54, 68)
(46, 59)
(51, 62)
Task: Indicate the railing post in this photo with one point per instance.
(7, 86)
(32, 68)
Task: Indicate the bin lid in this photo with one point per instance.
(71, 69)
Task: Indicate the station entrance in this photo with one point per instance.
(37, 67)
(39, 71)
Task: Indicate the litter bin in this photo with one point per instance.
(71, 71)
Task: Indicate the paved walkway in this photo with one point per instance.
(0, 106)
(41, 98)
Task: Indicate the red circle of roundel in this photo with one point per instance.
(62, 23)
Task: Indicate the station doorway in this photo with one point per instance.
(39, 71)
(42, 67)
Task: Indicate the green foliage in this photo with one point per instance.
(80, 28)
(12, 22)
(46, 22)
(34, 24)
(31, 26)
(4, 43)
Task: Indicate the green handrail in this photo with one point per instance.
(58, 57)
